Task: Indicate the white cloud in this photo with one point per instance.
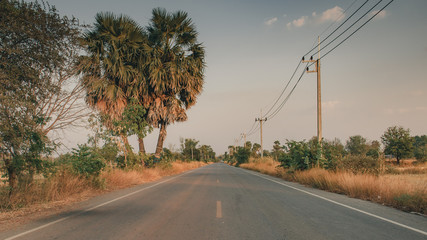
(271, 21)
(298, 22)
(330, 15)
(380, 15)
(334, 14)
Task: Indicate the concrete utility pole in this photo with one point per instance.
(319, 92)
(260, 123)
(244, 139)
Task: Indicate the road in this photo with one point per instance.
(223, 202)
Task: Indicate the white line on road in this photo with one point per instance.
(340, 204)
(97, 206)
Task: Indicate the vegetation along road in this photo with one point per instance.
(223, 202)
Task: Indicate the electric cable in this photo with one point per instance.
(336, 29)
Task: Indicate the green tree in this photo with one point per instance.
(175, 71)
(374, 150)
(297, 156)
(420, 148)
(248, 145)
(277, 150)
(397, 142)
(256, 150)
(189, 149)
(242, 155)
(113, 75)
(38, 48)
(206, 153)
(356, 145)
(333, 152)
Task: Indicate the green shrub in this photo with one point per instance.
(359, 164)
(86, 162)
(242, 155)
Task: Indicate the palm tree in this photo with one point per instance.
(112, 70)
(174, 72)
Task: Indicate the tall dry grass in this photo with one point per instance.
(266, 165)
(407, 192)
(118, 178)
(67, 187)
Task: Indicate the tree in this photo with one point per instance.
(206, 153)
(256, 147)
(420, 147)
(398, 142)
(277, 150)
(113, 76)
(357, 145)
(189, 149)
(242, 155)
(38, 49)
(175, 71)
(297, 156)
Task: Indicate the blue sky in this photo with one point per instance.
(374, 80)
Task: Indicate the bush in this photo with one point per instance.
(359, 164)
(86, 162)
(298, 156)
(242, 155)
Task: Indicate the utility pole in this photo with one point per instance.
(244, 139)
(319, 92)
(260, 123)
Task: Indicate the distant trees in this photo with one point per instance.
(420, 148)
(191, 151)
(398, 142)
(277, 150)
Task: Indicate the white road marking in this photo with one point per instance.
(218, 209)
(341, 204)
(92, 208)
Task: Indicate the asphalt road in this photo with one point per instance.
(223, 202)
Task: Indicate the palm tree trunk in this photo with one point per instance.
(162, 136)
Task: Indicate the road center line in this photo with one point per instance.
(97, 206)
(340, 204)
(218, 209)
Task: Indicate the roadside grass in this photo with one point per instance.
(65, 188)
(405, 190)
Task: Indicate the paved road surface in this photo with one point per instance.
(223, 202)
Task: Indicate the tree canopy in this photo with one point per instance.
(38, 50)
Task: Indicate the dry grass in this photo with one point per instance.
(118, 178)
(266, 165)
(47, 196)
(406, 191)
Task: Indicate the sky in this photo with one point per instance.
(374, 80)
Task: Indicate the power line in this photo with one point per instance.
(254, 131)
(349, 27)
(336, 29)
(283, 91)
(287, 97)
(299, 62)
(336, 20)
(356, 29)
(345, 39)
